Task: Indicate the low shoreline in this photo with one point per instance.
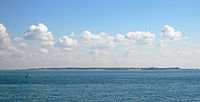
(105, 68)
(109, 68)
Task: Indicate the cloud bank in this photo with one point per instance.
(38, 48)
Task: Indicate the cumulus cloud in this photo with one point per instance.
(20, 43)
(5, 42)
(169, 36)
(38, 43)
(141, 37)
(170, 33)
(43, 50)
(38, 32)
(66, 42)
(100, 41)
(126, 42)
(131, 40)
(120, 38)
(47, 44)
(88, 36)
(6, 46)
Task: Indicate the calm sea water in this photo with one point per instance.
(100, 86)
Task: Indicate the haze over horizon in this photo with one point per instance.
(92, 33)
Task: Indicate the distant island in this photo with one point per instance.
(110, 68)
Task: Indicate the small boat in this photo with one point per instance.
(27, 75)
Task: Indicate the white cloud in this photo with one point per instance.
(87, 35)
(5, 42)
(170, 36)
(39, 48)
(7, 49)
(66, 42)
(100, 41)
(47, 44)
(120, 38)
(38, 32)
(103, 40)
(20, 43)
(130, 41)
(170, 33)
(141, 37)
(164, 43)
(43, 50)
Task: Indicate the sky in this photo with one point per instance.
(99, 33)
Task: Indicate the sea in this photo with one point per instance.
(99, 85)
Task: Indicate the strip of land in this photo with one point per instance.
(110, 68)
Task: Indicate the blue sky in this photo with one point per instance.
(38, 33)
(113, 16)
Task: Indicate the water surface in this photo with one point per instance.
(100, 85)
